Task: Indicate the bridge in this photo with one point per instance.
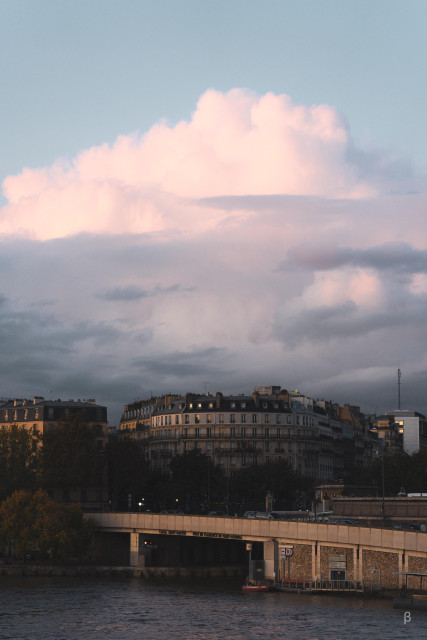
(293, 550)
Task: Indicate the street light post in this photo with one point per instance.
(381, 456)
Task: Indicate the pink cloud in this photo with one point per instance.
(236, 143)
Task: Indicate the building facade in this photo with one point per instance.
(38, 416)
(318, 439)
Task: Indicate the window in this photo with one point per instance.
(243, 461)
(254, 432)
(221, 418)
(233, 461)
(232, 417)
(197, 418)
(243, 432)
(209, 432)
(232, 431)
(267, 432)
(187, 419)
(254, 417)
(266, 418)
(278, 418)
(196, 432)
(176, 419)
(243, 417)
(208, 419)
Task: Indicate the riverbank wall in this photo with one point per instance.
(117, 571)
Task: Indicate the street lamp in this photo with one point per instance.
(381, 457)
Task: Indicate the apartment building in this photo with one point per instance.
(241, 430)
(38, 416)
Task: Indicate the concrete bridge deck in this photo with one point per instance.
(362, 551)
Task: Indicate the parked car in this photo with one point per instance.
(172, 512)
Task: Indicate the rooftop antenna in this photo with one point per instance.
(399, 375)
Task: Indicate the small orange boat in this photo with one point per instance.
(258, 587)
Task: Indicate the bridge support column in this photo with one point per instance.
(271, 559)
(136, 559)
(402, 566)
(357, 564)
(315, 560)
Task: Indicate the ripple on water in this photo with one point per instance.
(85, 609)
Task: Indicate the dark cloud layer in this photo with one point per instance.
(399, 257)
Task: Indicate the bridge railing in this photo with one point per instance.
(322, 585)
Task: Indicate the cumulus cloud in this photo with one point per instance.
(236, 143)
(253, 243)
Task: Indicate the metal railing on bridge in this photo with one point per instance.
(314, 586)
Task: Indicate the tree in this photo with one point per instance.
(290, 490)
(18, 460)
(34, 523)
(128, 473)
(195, 481)
(70, 458)
(398, 468)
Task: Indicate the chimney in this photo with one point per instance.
(218, 399)
(255, 398)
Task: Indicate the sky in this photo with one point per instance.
(208, 196)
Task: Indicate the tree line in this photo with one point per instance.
(68, 458)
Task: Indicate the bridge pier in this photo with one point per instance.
(136, 557)
(271, 566)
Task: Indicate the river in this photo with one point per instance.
(123, 609)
